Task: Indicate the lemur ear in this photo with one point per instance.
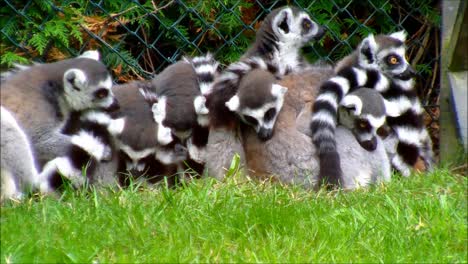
(353, 103)
(278, 90)
(282, 21)
(91, 54)
(74, 78)
(200, 105)
(400, 35)
(368, 48)
(233, 103)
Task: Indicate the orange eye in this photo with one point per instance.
(393, 60)
(363, 124)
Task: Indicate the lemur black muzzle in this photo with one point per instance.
(265, 134)
(369, 145)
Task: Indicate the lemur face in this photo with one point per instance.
(88, 84)
(388, 54)
(293, 26)
(363, 112)
(258, 101)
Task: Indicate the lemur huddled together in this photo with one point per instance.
(343, 126)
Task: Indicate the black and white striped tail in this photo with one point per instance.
(325, 111)
(233, 74)
(413, 141)
(206, 68)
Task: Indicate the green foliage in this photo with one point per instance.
(9, 59)
(417, 219)
(152, 34)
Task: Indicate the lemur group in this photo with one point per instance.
(346, 125)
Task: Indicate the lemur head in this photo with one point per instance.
(363, 112)
(87, 84)
(173, 98)
(290, 25)
(386, 53)
(258, 102)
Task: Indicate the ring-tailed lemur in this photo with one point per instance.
(41, 96)
(276, 49)
(18, 172)
(177, 100)
(379, 63)
(140, 154)
(256, 104)
(92, 142)
(290, 157)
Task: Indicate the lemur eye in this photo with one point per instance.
(101, 93)
(393, 60)
(250, 120)
(363, 124)
(306, 24)
(270, 114)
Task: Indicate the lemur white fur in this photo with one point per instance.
(18, 169)
(378, 63)
(41, 96)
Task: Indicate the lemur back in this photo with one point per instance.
(378, 63)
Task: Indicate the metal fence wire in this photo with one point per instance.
(138, 39)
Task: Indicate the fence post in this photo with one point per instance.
(453, 92)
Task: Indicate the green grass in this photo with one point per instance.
(420, 219)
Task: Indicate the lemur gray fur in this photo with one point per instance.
(18, 169)
(140, 154)
(289, 156)
(379, 63)
(41, 96)
(92, 135)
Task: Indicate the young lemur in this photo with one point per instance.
(140, 153)
(289, 156)
(41, 96)
(379, 63)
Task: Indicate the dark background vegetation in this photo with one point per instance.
(140, 38)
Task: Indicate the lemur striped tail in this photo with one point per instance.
(404, 116)
(236, 71)
(206, 68)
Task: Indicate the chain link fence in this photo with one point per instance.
(138, 39)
